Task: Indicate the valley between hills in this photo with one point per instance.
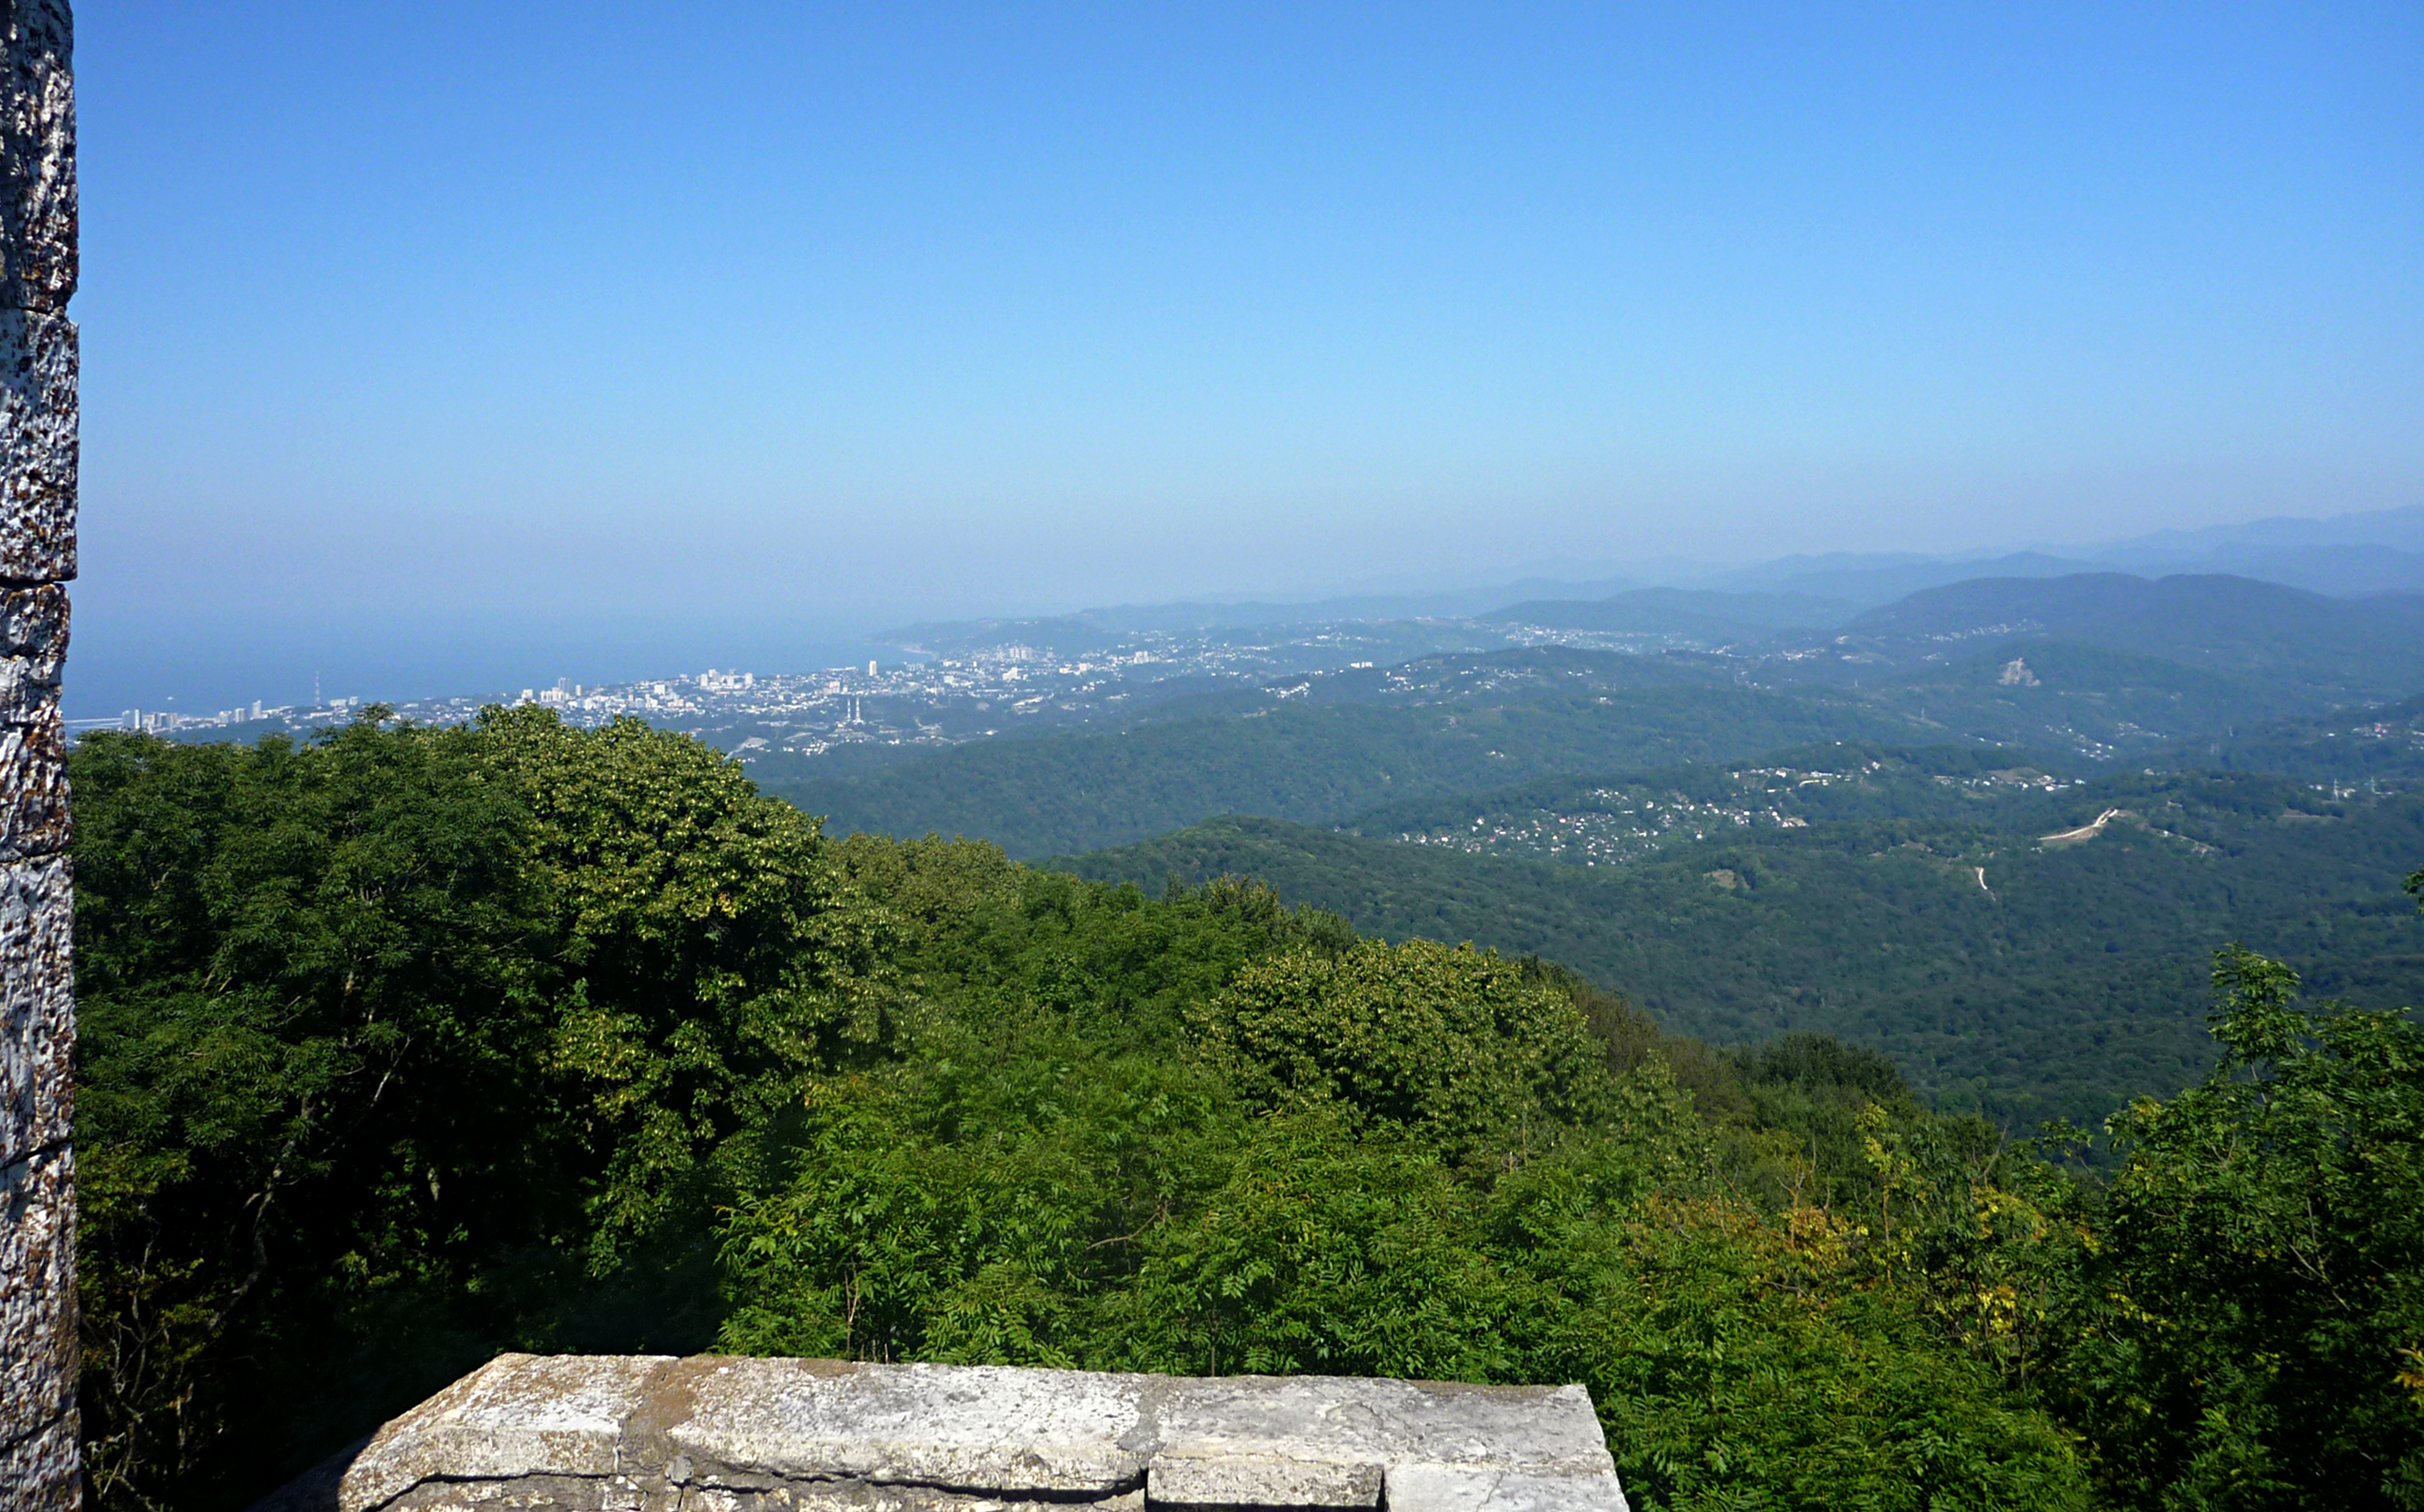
(1751, 826)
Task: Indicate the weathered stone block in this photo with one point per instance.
(34, 802)
(627, 1493)
(37, 1315)
(518, 1416)
(653, 1434)
(1380, 1422)
(37, 1008)
(33, 648)
(1477, 1488)
(38, 447)
(928, 1424)
(37, 173)
(1262, 1480)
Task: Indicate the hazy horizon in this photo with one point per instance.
(458, 347)
(382, 655)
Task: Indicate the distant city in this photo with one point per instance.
(1781, 622)
(924, 698)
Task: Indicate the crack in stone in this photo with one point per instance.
(36, 1430)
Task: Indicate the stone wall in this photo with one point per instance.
(645, 1433)
(39, 1470)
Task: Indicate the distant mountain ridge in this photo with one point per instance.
(2343, 571)
(2349, 555)
(2343, 650)
(1708, 614)
(2335, 649)
(2401, 529)
(2105, 665)
(2345, 555)
(1866, 583)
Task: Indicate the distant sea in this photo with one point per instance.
(124, 658)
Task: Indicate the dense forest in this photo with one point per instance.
(403, 1046)
(1914, 907)
(2118, 681)
(1497, 720)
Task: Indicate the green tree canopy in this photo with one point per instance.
(1459, 1045)
(379, 1030)
(401, 1046)
(2248, 1326)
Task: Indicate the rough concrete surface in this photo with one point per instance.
(39, 1469)
(38, 1464)
(38, 446)
(38, 169)
(34, 802)
(36, 1265)
(37, 1008)
(722, 1434)
(33, 651)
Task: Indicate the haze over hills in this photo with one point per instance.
(2400, 528)
(1328, 746)
(2344, 555)
(2267, 633)
(1418, 771)
(2095, 665)
(1706, 612)
(2381, 551)
(2354, 555)
(1862, 582)
(1096, 627)
(1856, 839)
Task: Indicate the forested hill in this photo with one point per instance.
(2342, 649)
(2367, 747)
(402, 1047)
(2001, 971)
(2091, 667)
(1501, 719)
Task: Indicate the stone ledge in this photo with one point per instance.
(658, 1434)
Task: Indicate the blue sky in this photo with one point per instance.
(433, 344)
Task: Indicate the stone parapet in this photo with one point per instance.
(659, 1434)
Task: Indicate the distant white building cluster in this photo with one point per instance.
(169, 721)
(924, 699)
(810, 712)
